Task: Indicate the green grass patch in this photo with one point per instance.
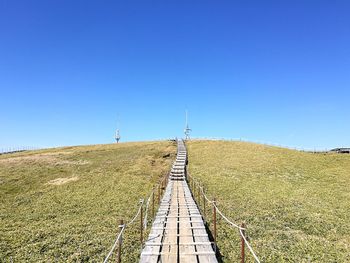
(64, 204)
(296, 205)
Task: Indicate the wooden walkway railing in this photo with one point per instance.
(179, 230)
(178, 233)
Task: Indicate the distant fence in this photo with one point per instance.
(297, 148)
(14, 149)
(144, 215)
(204, 204)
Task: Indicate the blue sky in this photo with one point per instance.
(272, 71)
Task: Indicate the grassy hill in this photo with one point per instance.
(296, 204)
(65, 204)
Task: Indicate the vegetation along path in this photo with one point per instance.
(178, 232)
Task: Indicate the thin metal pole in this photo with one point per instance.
(214, 222)
(243, 244)
(121, 225)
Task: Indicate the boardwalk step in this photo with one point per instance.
(178, 233)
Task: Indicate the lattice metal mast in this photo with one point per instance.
(187, 129)
(117, 134)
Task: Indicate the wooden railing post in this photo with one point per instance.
(243, 244)
(153, 202)
(199, 196)
(159, 194)
(214, 222)
(204, 206)
(119, 256)
(141, 222)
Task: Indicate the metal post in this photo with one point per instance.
(121, 225)
(243, 244)
(214, 222)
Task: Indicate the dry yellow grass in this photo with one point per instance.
(296, 204)
(64, 205)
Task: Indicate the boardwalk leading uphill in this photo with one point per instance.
(178, 232)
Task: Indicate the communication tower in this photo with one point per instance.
(117, 133)
(187, 129)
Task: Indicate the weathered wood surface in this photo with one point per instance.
(178, 232)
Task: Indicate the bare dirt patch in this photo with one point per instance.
(49, 158)
(60, 181)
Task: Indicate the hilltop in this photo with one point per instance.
(64, 204)
(296, 204)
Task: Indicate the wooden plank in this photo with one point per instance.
(170, 229)
(178, 233)
(186, 251)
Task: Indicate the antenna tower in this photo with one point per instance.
(187, 129)
(117, 133)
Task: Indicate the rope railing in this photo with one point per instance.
(226, 219)
(137, 214)
(249, 246)
(146, 211)
(157, 191)
(217, 209)
(150, 197)
(122, 228)
(143, 219)
(117, 241)
(195, 183)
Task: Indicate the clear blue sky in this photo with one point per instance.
(273, 71)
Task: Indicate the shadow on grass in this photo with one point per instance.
(215, 248)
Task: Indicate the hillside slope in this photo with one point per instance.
(296, 204)
(64, 205)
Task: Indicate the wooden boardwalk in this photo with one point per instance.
(178, 232)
